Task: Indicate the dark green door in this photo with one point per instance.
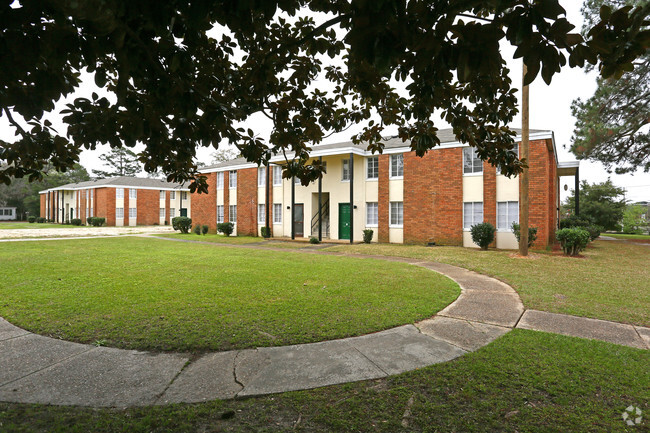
(184, 212)
(344, 220)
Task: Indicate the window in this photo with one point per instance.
(119, 212)
(91, 194)
(345, 175)
(261, 213)
(472, 214)
(119, 192)
(372, 214)
(277, 213)
(397, 165)
(219, 213)
(162, 213)
(91, 212)
(232, 179)
(162, 195)
(472, 164)
(396, 213)
(507, 213)
(372, 169)
(133, 213)
(133, 193)
(516, 150)
(184, 195)
(172, 195)
(172, 213)
(261, 176)
(220, 180)
(277, 175)
(232, 214)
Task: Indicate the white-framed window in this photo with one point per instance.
(345, 173)
(261, 213)
(232, 179)
(162, 195)
(507, 213)
(119, 192)
(397, 165)
(220, 180)
(172, 195)
(472, 214)
(133, 212)
(372, 168)
(232, 213)
(161, 213)
(261, 176)
(396, 213)
(90, 212)
(472, 164)
(277, 175)
(119, 212)
(91, 193)
(184, 195)
(516, 150)
(277, 213)
(133, 193)
(372, 214)
(220, 218)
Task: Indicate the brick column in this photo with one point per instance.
(126, 207)
(204, 206)
(148, 207)
(168, 217)
(447, 181)
(247, 202)
(490, 196)
(419, 198)
(383, 203)
(226, 196)
(540, 191)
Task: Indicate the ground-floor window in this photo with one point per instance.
(372, 214)
(119, 212)
(219, 213)
(90, 213)
(261, 213)
(507, 213)
(162, 212)
(277, 213)
(133, 212)
(472, 214)
(232, 213)
(172, 213)
(396, 213)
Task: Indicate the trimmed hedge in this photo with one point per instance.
(41, 220)
(95, 221)
(532, 234)
(573, 240)
(266, 232)
(31, 219)
(75, 221)
(483, 234)
(226, 228)
(182, 224)
(367, 236)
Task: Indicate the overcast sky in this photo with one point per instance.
(550, 109)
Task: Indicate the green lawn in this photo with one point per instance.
(220, 239)
(525, 381)
(629, 237)
(19, 226)
(611, 282)
(155, 294)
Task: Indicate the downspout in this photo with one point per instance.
(351, 197)
(320, 203)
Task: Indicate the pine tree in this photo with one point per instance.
(121, 162)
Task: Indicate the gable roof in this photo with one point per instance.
(121, 182)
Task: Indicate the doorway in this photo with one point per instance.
(344, 220)
(298, 220)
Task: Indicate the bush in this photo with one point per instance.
(197, 229)
(40, 220)
(532, 234)
(575, 221)
(75, 221)
(31, 219)
(483, 234)
(314, 240)
(367, 235)
(204, 229)
(182, 224)
(225, 228)
(96, 221)
(594, 231)
(266, 232)
(573, 240)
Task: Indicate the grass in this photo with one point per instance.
(153, 294)
(629, 237)
(525, 381)
(221, 239)
(20, 226)
(611, 282)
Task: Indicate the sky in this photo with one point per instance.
(550, 109)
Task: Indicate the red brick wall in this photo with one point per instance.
(167, 207)
(204, 206)
(148, 207)
(433, 197)
(541, 191)
(126, 206)
(83, 199)
(105, 204)
(553, 197)
(247, 202)
(383, 203)
(490, 195)
(42, 209)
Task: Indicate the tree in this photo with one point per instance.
(121, 162)
(610, 124)
(221, 155)
(602, 203)
(633, 219)
(186, 73)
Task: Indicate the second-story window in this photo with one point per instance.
(133, 193)
(261, 176)
(220, 180)
(397, 165)
(232, 179)
(372, 169)
(277, 175)
(472, 164)
(345, 175)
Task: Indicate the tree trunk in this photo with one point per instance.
(523, 185)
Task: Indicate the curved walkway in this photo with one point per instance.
(37, 369)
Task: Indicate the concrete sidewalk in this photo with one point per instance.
(36, 369)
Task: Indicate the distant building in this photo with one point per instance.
(8, 213)
(123, 201)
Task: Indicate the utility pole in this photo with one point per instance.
(523, 185)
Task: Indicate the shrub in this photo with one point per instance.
(574, 221)
(532, 234)
(573, 240)
(266, 232)
(31, 219)
(182, 224)
(483, 234)
(314, 240)
(40, 220)
(367, 235)
(594, 231)
(225, 228)
(197, 229)
(75, 221)
(96, 221)
(204, 228)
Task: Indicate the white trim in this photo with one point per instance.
(480, 173)
(112, 186)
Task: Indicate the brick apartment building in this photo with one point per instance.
(402, 197)
(123, 201)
